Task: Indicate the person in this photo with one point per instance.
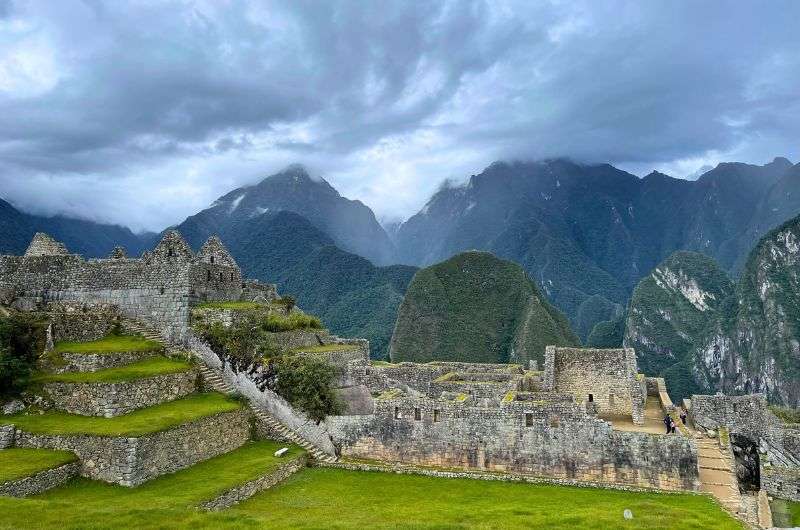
(668, 423)
(672, 426)
(683, 416)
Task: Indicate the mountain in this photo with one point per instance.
(669, 314)
(350, 224)
(755, 345)
(475, 307)
(92, 240)
(353, 297)
(589, 233)
(692, 324)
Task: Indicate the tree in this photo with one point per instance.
(307, 383)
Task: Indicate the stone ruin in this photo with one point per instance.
(159, 287)
(561, 423)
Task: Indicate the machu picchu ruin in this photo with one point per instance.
(135, 381)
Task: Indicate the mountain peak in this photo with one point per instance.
(781, 161)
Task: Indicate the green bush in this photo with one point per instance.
(786, 414)
(307, 383)
(276, 323)
(21, 341)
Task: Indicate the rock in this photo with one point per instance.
(281, 451)
(13, 407)
(627, 514)
(711, 433)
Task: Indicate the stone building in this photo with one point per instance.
(159, 287)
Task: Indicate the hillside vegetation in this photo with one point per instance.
(476, 307)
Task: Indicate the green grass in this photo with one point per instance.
(166, 502)
(146, 368)
(17, 463)
(110, 344)
(785, 513)
(145, 421)
(276, 323)
(332, 498)
(237, 306)
(325, 348)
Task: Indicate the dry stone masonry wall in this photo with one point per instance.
(40, 482)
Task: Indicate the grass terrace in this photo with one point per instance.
(236, 306)
(334, 498)
(785, 514)
(17, 463)
(276, 323)
(138, 423)
(110, 344)
(152, 367)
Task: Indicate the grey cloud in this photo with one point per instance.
(186, 99)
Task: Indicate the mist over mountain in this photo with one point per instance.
(91, 239)
(350, 224)
(588, 233)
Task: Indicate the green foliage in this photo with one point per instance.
(475, 307)
(324, 348)
(17, 463)
(145, 368)
(307, 383)
(786, 414)
(21, 341)
(236, 306)
(276, 323)
(140, 422)
(607, 334)
(110, 344)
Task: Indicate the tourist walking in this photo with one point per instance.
(668, 423)
(683, 416)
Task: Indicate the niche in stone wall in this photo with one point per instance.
(397, 414)
(611, 400)
(435, 415)
(212, 260)
(528, 419)
(417, 414)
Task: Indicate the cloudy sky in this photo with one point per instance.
(143, 112)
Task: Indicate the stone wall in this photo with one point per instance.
(41, 481)
(254, 291)
(609, 376)
(134, 460)
(78, 322)
(746, 415)
(93, 362)
(6, 436)
(781, 482)
(115, 399)
(552, 439)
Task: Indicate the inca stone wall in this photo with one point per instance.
(78, 322)
(6, 436)
(746, 415)
(158, 288)
(554, 439)
(608, 375)
(41, 481)
(781, 482)
(132, 461)
(93, 362)
(114, 399)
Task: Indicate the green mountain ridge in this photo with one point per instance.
(475, 307)
(704, 333)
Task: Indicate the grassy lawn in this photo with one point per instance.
(17, 463)
(166, 502)
(110, 344)
(145, 421)
(146, 368)
(325, 348)
(331, 498)
(229, 305)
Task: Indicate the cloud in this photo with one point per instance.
(141, 113)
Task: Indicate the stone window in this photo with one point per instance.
(417, 414)
(220, 276)
(591, 398)
(212, 260)
(161, 291)
(528, 419)
(397, 414)
(170, 252)
(208, 276)
(231, 276)
(554, 421)
(435, 415)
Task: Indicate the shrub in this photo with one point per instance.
(307, 383)
(276, 323)
(21, 341)
(786, 414)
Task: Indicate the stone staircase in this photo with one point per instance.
(215, 381)
(717, 475)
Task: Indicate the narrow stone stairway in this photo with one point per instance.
(215, 381)
(716, 473)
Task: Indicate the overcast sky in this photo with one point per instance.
(142, 113)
